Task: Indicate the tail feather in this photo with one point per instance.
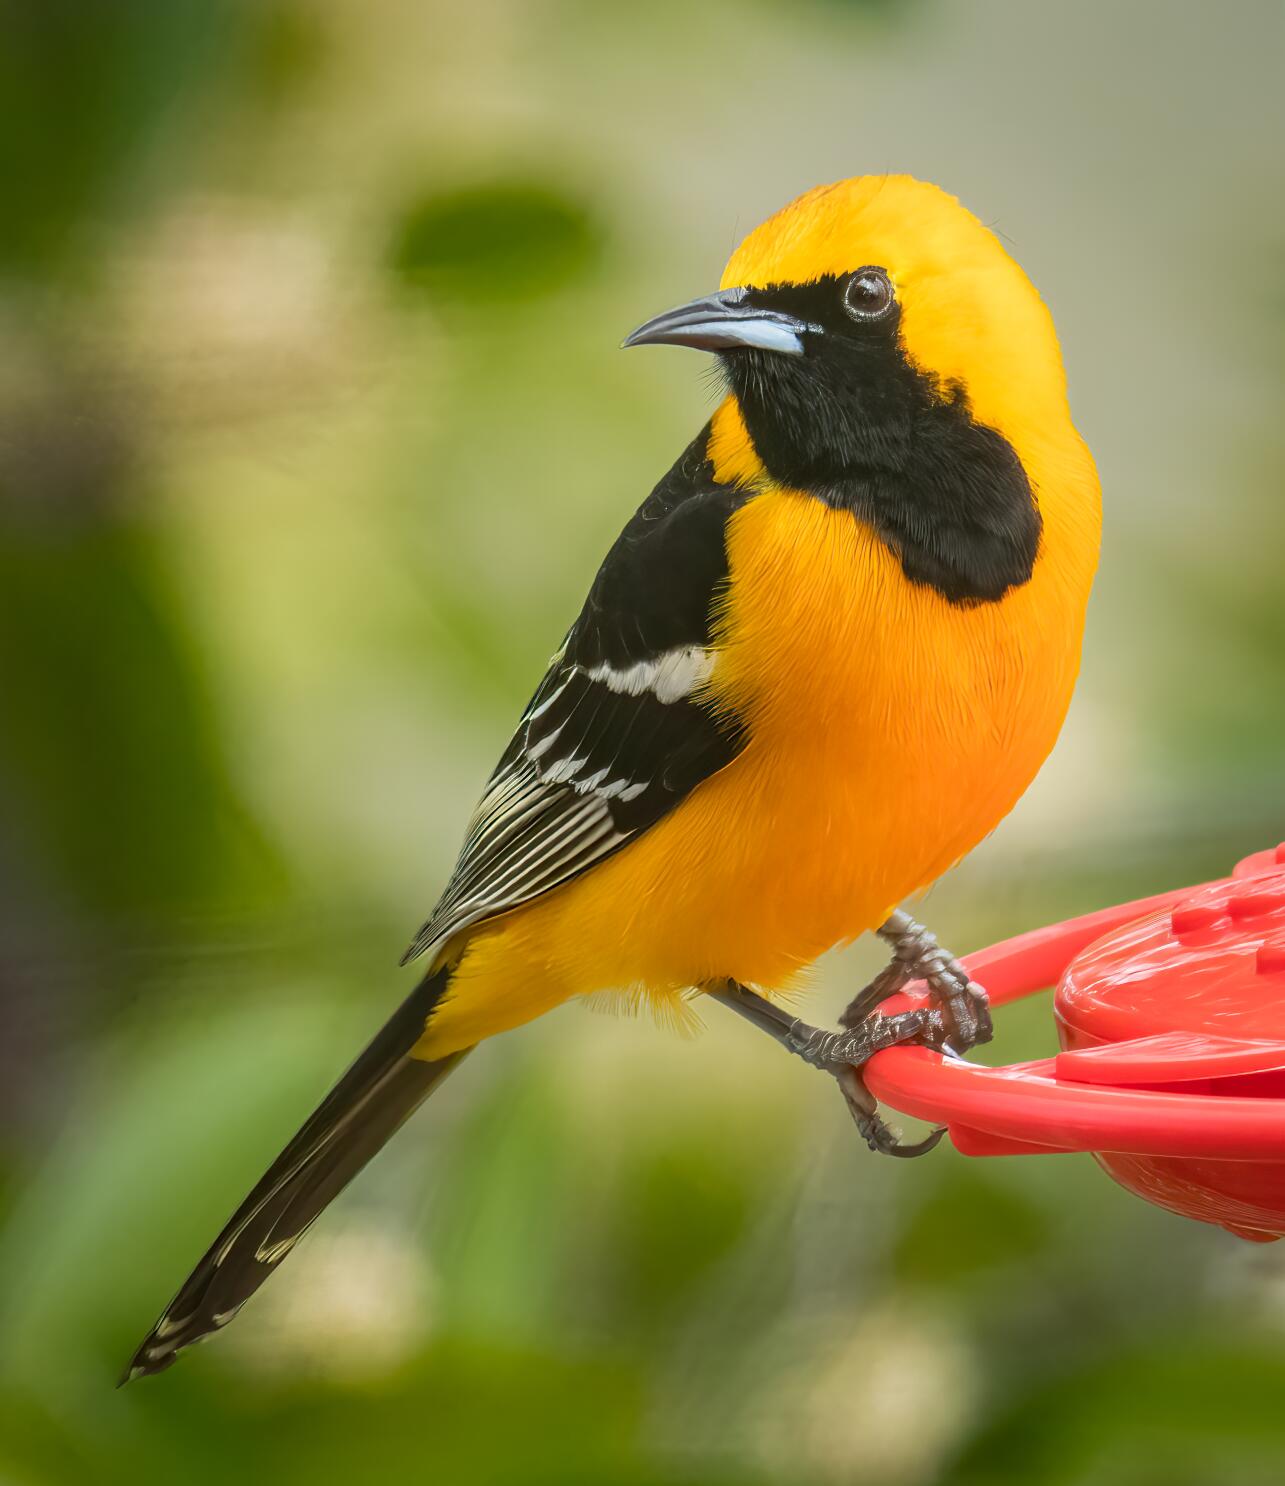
(381, 1090)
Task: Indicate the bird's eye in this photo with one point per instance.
(868, 294)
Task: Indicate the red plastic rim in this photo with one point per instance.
(1028, 1108)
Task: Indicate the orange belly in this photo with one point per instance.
(890, 731)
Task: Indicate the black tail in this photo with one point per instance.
(381, 1090)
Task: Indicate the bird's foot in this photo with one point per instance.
(843, 1054)
(965, 1019)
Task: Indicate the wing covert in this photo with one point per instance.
(621, 728)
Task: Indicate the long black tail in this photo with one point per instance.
(381, 1090)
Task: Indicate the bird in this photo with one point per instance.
(823, 659)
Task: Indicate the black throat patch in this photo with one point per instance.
(855, 423)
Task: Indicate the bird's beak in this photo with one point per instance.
(722, 321)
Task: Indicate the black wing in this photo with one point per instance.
(621, 728)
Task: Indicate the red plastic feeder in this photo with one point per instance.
(1171, 1015)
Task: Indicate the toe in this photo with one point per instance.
(875, 1131)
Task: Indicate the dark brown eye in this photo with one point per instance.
(868, 294)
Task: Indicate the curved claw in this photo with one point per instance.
(875, 1131)
(884, 1141)
(918, 1148)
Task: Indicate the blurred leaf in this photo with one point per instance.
(680, 1213)
(490, 1415)
(505, 1179)
(84, 92)
(501, 241)
(967, 1223)
(1182, 1411)
(112, 751)
(284, 49)
(153, 1153)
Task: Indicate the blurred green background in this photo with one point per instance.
(312, 432)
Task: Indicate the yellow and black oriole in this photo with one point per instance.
(822, 660)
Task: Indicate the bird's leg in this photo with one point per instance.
(916, 955)
(841, 1054)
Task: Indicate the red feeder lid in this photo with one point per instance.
(1171, 1015)
(1208, 972)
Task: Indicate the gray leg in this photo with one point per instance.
(841, 1054)
(916, 955)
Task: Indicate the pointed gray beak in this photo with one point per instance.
(722, 321)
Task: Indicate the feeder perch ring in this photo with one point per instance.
(1170, 1013)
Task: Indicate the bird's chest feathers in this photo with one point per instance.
(853, 672)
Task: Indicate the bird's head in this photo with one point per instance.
(882, 349)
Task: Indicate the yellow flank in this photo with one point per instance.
(889, 729)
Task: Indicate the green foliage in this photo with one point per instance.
(463, 1413)
(966, 1225)
(499, 241)
(85, 91)
(1185, 1409)
(112, 752)
(659, 1266)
